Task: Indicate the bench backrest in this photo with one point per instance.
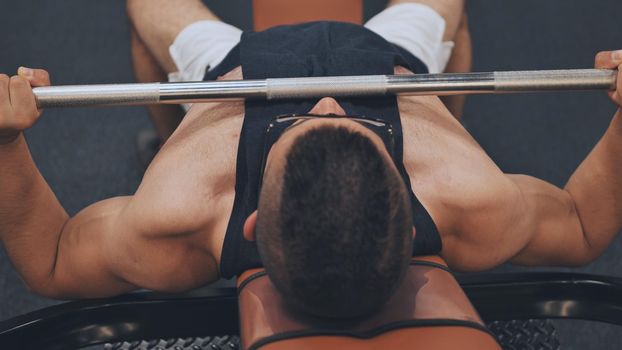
(270, 13)
(428, 310)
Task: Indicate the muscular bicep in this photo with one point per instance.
(82, 266)
(550, 221)
(103, 251)
(519, 219)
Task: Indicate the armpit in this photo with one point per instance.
(234, 74)
(399, 70)
(237, 74)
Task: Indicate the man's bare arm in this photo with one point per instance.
(575, 225)
(108, 248)
(549, 227)
(531, 222)
(29, 211)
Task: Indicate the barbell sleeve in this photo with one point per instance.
(316, 87)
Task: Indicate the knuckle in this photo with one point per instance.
(42, 74)
(22, 123)
(27, 116)
(602, 58)
(27, 124)
(17, 81)
(4, 84)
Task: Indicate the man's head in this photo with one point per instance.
(333, 225)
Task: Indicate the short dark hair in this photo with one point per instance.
(335, 234)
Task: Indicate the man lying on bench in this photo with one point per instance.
(334, 196)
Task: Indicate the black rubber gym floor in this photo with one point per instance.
(88, 154)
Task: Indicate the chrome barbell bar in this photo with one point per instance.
(315, 87)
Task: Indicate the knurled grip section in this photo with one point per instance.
(316, 87)
(569, 79)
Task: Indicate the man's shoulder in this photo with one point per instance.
(463, 203)
(190, 185)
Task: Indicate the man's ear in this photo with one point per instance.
(249, 226)
(414, 232)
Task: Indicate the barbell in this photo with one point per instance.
(316, 87)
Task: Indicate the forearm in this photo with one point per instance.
(460, 62)
(596, 189)
(31, 217)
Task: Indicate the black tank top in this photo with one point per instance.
(305, 50)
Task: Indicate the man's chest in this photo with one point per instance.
(446, 166)
(449, 172)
